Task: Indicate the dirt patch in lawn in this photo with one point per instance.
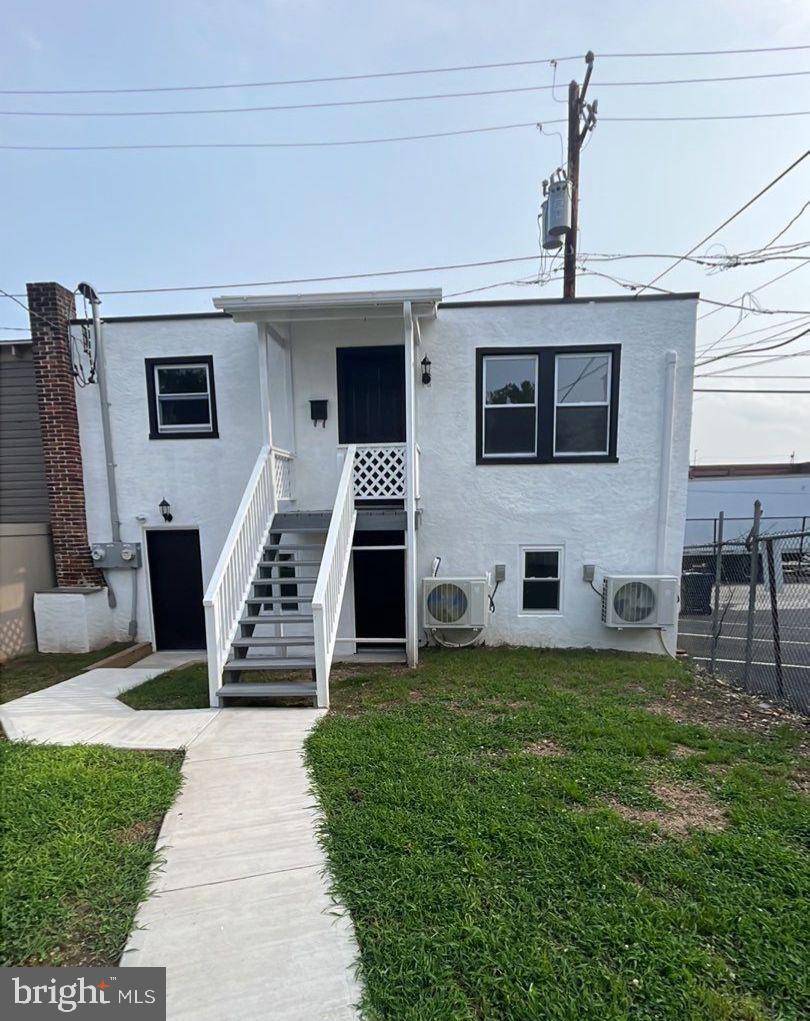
(710, 703)
(688, 808)
(545, 749)
(138, 833)
(681, 751)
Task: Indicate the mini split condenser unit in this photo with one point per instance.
(454, 602)
(639, 601)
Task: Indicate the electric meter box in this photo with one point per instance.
(559, 208)
(111, 555)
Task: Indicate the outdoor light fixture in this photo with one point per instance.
(165, 509)
(426, 371)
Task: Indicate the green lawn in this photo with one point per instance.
(183, 688)
(37, 670)
(517, 837)
(77, 841)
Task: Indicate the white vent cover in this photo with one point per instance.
(454, 602)
(632, 600)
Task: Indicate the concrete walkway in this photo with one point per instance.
(239, 914)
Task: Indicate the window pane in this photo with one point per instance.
(541, 595)
(509, 431)
(582, 430)
(541, 564)
(190, 379)
(509, 380)
(186, 411)
(582, 378)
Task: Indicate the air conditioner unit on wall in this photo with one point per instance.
(639, 600)
(455, 602)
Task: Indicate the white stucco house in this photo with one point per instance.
(305, 478)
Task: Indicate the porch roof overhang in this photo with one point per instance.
(288, 308)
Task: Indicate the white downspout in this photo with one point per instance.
(667, 424)
(411, 609)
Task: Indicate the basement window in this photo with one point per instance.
(182, 403)
(541, 579)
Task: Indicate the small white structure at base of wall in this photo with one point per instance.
(73, 620)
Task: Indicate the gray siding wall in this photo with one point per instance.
(23, 491)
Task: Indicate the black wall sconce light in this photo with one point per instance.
(318, 410)
(165, 509)
(426, 377)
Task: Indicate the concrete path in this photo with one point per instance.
(239, 913)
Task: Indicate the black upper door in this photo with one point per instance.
(175, 576)
(371, 394)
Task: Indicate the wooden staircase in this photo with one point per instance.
(290, 559)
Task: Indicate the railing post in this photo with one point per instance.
(718, 576)
(777, 642)
(752, 592)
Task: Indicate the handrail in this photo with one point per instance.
(230, 582)
(328, 594)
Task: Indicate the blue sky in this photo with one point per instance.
(171, 218)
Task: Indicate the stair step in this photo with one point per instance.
(289, 564)
(277, 618)
(291, 547)
(266, 600)
(282, 663)
(249, 643)
(270, 690)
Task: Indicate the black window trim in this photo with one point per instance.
(154, 431)
(546, 399)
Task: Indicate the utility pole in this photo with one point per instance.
(581, 120)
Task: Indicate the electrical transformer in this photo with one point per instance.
(559, 208)
(551, 242)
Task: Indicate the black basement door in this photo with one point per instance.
(175, 575)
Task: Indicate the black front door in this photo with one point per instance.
(175, 576)
(371, 394)
(379, 588)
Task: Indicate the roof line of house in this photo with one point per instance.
(494, 303)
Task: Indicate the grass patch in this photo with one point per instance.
(183, 688)
(78, 835)
(37, 670)
(486, 880)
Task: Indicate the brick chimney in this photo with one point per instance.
(51, 309)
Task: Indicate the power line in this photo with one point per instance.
(384, 74)
(733, 216)
(754, 290)
(329, 104)
(787, 226)
(760, 361)
(708, 375)
(784, 328)
(756, 350)
(318, 144)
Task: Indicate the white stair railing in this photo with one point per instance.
(230, 583)
(328, 595)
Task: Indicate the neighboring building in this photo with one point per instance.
(26, 559)
(782, 489)
(549, 441)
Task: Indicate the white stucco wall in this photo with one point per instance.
(475, 516)
(202, 479)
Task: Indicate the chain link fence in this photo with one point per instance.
(745, 609)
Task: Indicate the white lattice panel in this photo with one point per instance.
(283, 476)
(379, 472)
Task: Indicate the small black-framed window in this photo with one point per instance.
(541, 579)
(544, 405)
(182, 398)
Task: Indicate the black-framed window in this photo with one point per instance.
(541, 579)
(547, 404)
(182, 398)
